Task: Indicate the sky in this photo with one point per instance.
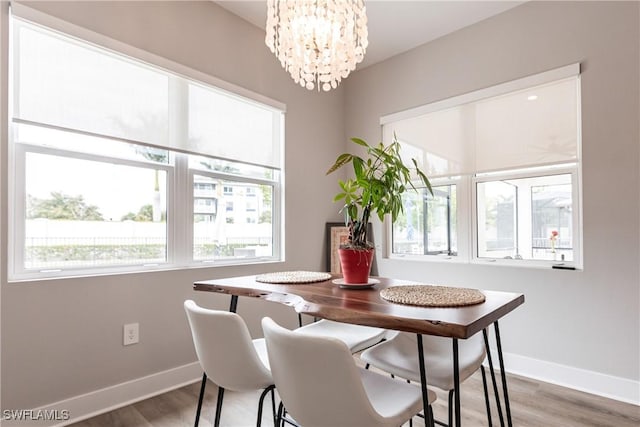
(115, 189)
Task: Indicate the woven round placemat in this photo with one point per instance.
(432, 296)
(292, 277)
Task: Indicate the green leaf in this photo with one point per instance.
(340, 161)
(360, 142)
(358, 167)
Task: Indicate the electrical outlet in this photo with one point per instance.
(131, 334)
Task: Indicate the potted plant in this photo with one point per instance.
(380, 179)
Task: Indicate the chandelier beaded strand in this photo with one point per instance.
(319, 42)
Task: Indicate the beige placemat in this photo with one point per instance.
(292, 277)
(432, 296)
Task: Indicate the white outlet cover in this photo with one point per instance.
(131, 334)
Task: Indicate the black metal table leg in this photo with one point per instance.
(234, 303)
(428, 421)
(493, 376)
(486, 395)
(503, 374)
(456, 382)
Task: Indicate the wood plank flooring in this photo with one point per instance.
(533, 404)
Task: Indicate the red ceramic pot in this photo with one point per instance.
(356, 265)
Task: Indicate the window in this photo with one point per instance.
(504, 164)
(226, 236)
(427, 225)
(102, 183)
(113, 215)
(526, 218)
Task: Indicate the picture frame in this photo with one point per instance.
(337, 233)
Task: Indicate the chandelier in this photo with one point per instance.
(319, 42)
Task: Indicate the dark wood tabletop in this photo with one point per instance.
(365, 306)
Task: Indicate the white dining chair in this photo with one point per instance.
(399, 357)
(356, 337)
(320, 384)
(228, 356)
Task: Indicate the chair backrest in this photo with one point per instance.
(439, 356)
(225, 349)
(317, 379)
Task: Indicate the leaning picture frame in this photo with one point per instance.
(337, 233)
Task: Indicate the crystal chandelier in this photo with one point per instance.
(319, 42)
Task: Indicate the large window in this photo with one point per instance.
(120, 165)
(505, 167)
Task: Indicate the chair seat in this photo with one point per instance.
(391, 398)
(356, 337)
(261, 349)
(399, 356)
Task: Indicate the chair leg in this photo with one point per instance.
(216, 421)
(202, 386)
(280, 422)
(261, 404)
(432, 418)
(273, 407)
(451, 392)
(486, 395)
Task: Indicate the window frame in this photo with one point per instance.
(17, 215)
(180, 211)
(462, 206)
(524, 174)
(275, 214)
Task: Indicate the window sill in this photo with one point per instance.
(118, 271)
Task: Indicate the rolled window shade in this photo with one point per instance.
(530, 122)
(532, 127)
(222, 126)
(439, 141)
(75, 86)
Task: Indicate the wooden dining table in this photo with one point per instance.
(328, 300)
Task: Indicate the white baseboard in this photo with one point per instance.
(107, 399)
(617, 388)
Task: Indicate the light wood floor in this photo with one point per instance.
(533, 403)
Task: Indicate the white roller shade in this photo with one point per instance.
(70, 85)
(437, 140)
(525, 123)
(224, 127)
(531, 127)
(74, 86)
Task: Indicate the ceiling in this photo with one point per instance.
(397, 26)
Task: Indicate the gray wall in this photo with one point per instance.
(586, 319)
(62, 338)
